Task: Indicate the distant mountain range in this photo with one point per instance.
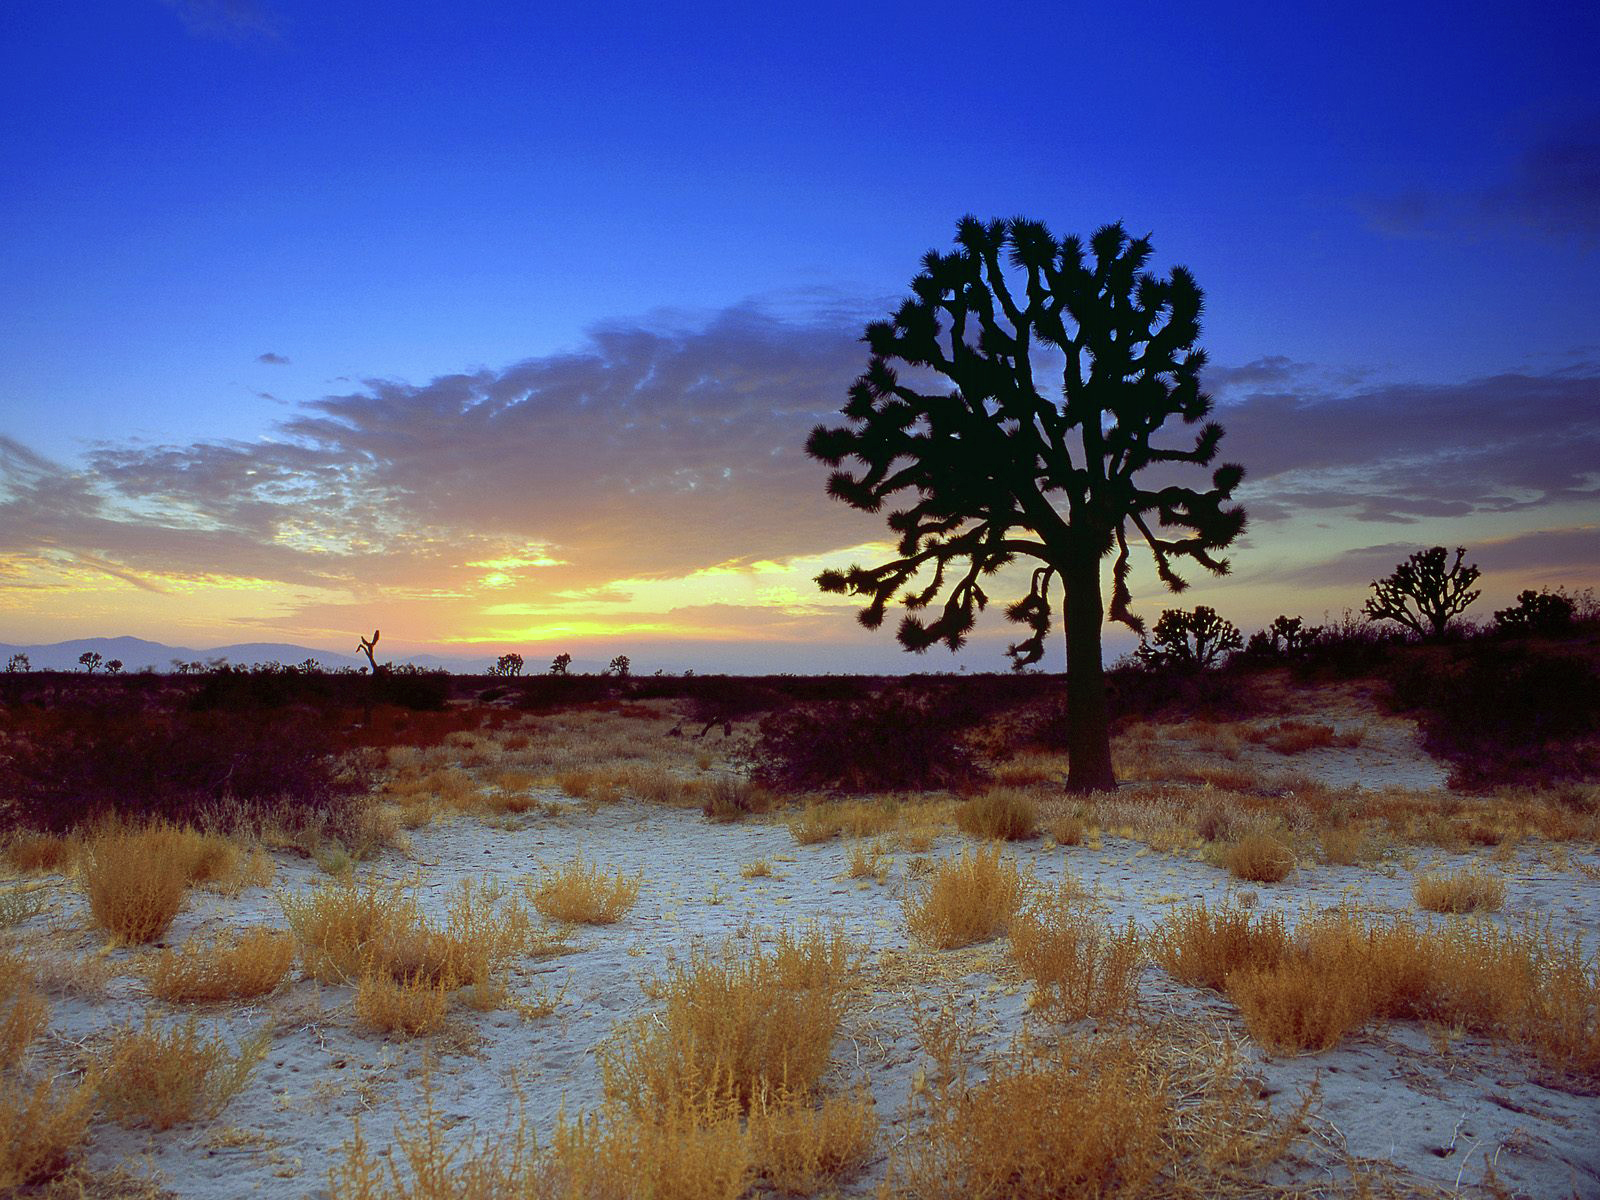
(137, 654)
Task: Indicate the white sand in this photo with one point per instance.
(1436, 1113)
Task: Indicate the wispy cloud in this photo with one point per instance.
(226, 20)
(273, 360)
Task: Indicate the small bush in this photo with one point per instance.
(1202, 946)
(895, 741)
(40, 1128)
(40, 852)
(731, 798)
(1260, 858)
(1079, 967)
(1306, 1002)
(735, 1027)
(1005, 814)
(232, 966)
(23, 1012)
(410, 1006)
(1069, 831)
(968, 899)
(1464, 891)
(134, 881)
(583, 894)
(815, 823)
(169, 1077)
(798, 1148)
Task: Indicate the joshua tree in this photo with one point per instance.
(1537, 612)
(1190, 639)
(114, 667)
(560, 663)
(1436, 590)
(619, 666)
(1287, 636)
(18, 664)
(90, 661)
(999, 465)
(368, 645)
(507, 664)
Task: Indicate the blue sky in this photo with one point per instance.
(1372, 196)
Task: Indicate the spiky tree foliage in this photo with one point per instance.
(560, 663)
(1189, 639)
(507, 664)
(1424, 592)
(1537, 612)
(1285, 637)
(1058, 369)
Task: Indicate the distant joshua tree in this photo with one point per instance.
(114, 667)
(1285, 637)
(507, 664)
(1537, 612)
(90, 661)
(560, 663)
(1195, 639)
(1424, 592)
(1007, 459)
(620, 666)
(368, 645)
(18, 664)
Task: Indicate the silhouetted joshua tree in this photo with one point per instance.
(1436, 590)
(1189, 639)
(368, 645)
(90, 661)
(1537, 612)
(1285, 637)
(620, 666)
(1003, 466)
(507, 664)
(560, 663)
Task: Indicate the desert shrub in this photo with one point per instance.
(732, 798)
(814, 824)
(1139, 692)
(1189, 640)
(73, 764)
(758, 868)
(41, 1126)
(895, 741)
(1093, 1117)
(1464, 891)
(1306, 1001)
(410, 1005)
(1202, 946)
(798, 1147)
(1296, 737)
(1079, 967)
(166, 1077)
(1345, 845)
(734, 1027)
(863, 861)
(420, 689)
(27, 851)
(23, 1012)
(582, 893)
(968, 899)
(1005, 814)
(135, 883)
(1505, 712)
(1069, 830)
(231, 966)
(1258, 857)
(703, 1154)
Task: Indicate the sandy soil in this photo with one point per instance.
(1430, 1109)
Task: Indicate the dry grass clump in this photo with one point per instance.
(19, 904)
(1094, 1117)
(1004, 814)
(26, 851)
(1202, 946)
(799, 1148)
(1070, 830)
(968, 899)
(1296, 737)
(759, 869)
(1305, 1003)
(40, 1128)
(376, 937)
(23, 1012)
(1464, 891)
(1080, 968)
(734, 1027)
(1258, 857)
(167, 1077)
(228, 966)
(814, 824)
(135, 881)
(1030, 769)
(1346, 845)
(592, 784)
(731, 798)
(864, 861)
(581, 893)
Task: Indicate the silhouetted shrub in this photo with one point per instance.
(893, 741)
(68, 765)
(418, 688)
(550, 693)
(1505, 711)
(1196, 639)
(1537, 612)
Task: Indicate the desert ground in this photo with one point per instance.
(578, 956)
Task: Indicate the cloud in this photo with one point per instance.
(1403, 452)
(226, 20)
(1552, 189)
(1535, 557)
(273, 360)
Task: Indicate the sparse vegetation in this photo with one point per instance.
(1465, 891)
(165, 1077)
(968, 899)
(136, 880)
(1259, 858)
(1080, 967)
(583, 894)
(224, 967)
(1005, 814)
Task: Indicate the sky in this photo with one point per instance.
(501, 326)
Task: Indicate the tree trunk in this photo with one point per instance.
(1088, 721)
